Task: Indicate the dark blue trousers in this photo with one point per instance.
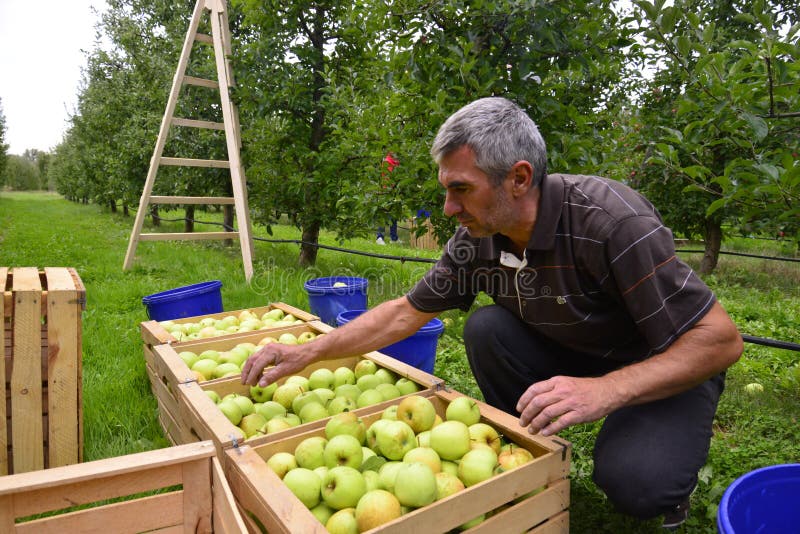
(646, 457)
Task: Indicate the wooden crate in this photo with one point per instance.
(426, 241)
(155, 334)
(178, 489)
(260, 492)
(41, 420)
(187, 414)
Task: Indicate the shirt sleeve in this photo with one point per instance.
(448, 284)
(662, 294)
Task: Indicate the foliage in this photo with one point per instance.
(22, 174)
(718, 125)
(3, 145)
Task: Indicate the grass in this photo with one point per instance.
(120, 413)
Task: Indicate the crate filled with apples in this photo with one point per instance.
(435, 461)
(228, 323)
(228, 412)
(169, 366)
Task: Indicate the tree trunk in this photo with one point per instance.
(154, 215)
(113, 205)
(227, 222)
(188, 223)
(713, 239)
(125, 211)
(308, 252)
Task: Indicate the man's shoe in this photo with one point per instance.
(396, 242)
(380, 241)
(676, 516)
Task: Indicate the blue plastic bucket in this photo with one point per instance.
(764, 500)
(328, 302)
(186, 301)
(418, 350)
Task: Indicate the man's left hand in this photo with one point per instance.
(562, 401)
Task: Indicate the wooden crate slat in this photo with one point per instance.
(140, 515)
(555, 525)
(194, 162)
(197, 495)
(225, 513)
(528, 513)
(193, 236)
(27, 438)
(191, 200)
(6, 333)
(63, 374)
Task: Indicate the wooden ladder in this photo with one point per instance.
(220, 38)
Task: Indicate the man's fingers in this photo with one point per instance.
(532, 391)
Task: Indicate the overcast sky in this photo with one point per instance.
(40, 67)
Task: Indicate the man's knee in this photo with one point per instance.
(481, 325)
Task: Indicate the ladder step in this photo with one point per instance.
(203, 38)
(193, 236)
(192, 80)
(188, 162)
(192, 123)
(191, 200)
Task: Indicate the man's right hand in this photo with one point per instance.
(278, 359)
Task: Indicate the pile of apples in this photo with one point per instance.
(211, 364)
(355, 478)
(301, 400)
(245, 321)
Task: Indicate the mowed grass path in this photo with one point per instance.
(120, 413)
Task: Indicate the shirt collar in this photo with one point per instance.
(550, 200)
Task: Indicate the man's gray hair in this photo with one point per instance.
(500, 134)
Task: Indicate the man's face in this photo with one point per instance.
(479, 206)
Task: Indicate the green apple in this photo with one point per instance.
(395, 439)
(266, 341)
(368, 453)
(305, 485)
(366, 382)
(247, 346)
(277, 424)
(225, 369)
(206, 332)
(287, 338)
(477, 465)
(325, 395)
(450, 439)
(424, 455)
(424, 439)
(346, 423)
(263, 394)
(343, 486)
(341, 404)
(305, 337)
(306, 397)
(385, 376)
(365, 367)
(351, 391)
(281, 463)
(372, 479)
(343, 449)
(293, 419)
(388, 391)
(343, 375)
(271, 409)
(298, 380)
(211, 354)
(286, 393)
(250, 324)
(512, 457)
(483, 435)
(390, 413)
(754, 389)
(188, 357)
(447, 484)
(313, 411)
(213, 395)
(308, 452)
(251, 424)
(205, 367)
(372, 434)
(474, 522)
(321, 471)
(343, 522)
(375, 508)
(369, 397)
(231, 409)
(418, 412)
(463, 409)
(322, 511)
(245, 404)
(406, 386)
(450, 468)
(321, 378)
(388, 475)
(274, 313)
(415, 485)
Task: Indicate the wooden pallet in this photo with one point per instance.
(178, 489)
(41, 420)
(260, 492)
(426, 241)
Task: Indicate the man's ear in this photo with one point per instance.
(521, 175)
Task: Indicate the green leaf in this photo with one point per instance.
(716, 205)
(758, 125)
(768, 169)
(373, 463)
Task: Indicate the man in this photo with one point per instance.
(594, 316)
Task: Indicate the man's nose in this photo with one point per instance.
(451, 205)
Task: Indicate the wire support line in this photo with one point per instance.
(788, 345)
(742, 254)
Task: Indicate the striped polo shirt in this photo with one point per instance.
(599, 275)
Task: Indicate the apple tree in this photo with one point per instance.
(720, 131)
(3, 145)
